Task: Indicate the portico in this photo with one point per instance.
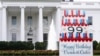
(22, 27)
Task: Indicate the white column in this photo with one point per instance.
(58, 22)
(40, 25)
(22, 24)
(4, 24)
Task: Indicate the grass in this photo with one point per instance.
(37, 52)
(96, 55)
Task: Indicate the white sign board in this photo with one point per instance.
(76, 49)
(75, 37)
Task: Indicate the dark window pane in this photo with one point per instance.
(45, 37)
(29, 20)
(45, 20)
(71, 0)
(67, 0)
(29, 39)
(45, 17)
(63, 0)
(89, 20)
(14, 20)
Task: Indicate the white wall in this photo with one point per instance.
(34, 26)
(13, 29)
(96, 23)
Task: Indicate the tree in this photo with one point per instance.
(95, 43)
(98, 46)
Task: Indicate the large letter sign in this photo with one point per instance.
(75, 38)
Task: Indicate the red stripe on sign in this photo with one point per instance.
(65, 13)
(72, 14)
(79, 13)
(73, 39)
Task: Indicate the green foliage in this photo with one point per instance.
(98, 46)
(18, 45)
(40, 45)
(95, 43)
(3, 45)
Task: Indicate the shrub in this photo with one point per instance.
(3, 45)
(95, 43)
(18, 45)
(40, 45)
(98, 46)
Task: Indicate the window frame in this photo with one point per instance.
(13, 36)
(13, 20)
(45, 37)
(29, 20)
(90, 20)
(45, 18)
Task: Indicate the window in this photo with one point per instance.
(67, 0)
(13, 36)
(91, 35)
(14, 20)
(89, 20)
(29, 39)
(45, 37)
(45, 20)
(29, 20)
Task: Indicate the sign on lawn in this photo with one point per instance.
(75, 37)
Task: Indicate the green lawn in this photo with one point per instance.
(96, 55)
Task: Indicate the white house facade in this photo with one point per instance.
(29, 20)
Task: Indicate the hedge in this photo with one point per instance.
(41, 45)
(16, 45)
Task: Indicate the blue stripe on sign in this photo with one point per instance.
(74, 21)
(65, 21)
(81, 21)
(70, 35)
(66, 12)
(77, 34)
(87, 22)
(62, 35)
(76, 12)
(84, 35)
